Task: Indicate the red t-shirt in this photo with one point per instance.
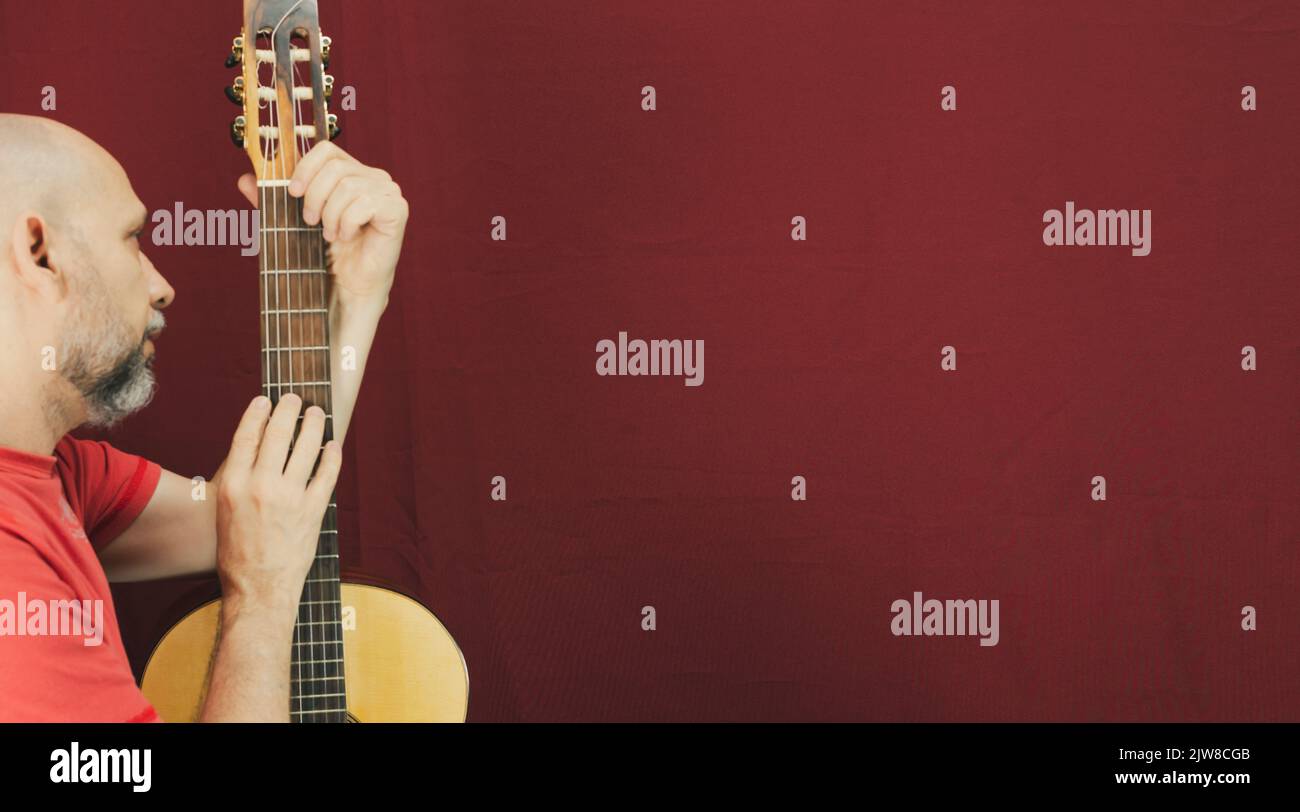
(56, 513)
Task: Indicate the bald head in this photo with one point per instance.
(74, 282)
(49, 168)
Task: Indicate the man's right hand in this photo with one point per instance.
(269, 506)
(269, 510)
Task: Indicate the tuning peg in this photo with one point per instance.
(325, 51)
(237, 131)
(236, 53)
(329, 85)
(236, 92)
(332, 124)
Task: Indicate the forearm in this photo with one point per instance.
(250, 674)
(353, 322)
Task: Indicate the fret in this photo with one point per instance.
(323, 710)
(316, 679)
(265, 183)
(315, 696)
(281, 312)
(318, 622)
(292, 228)
(295, 349)
(289, 271)
(291, 384)
(318, 603)
(306, 643)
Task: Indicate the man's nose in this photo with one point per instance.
(160, 293)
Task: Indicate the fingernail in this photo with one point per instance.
(295, 188)
(261, 402)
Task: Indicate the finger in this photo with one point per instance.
(349, 190)
(321, 488)
(312, 163)
(248, 186)
(248, 435)
(321, 190)
(391, 213)
(352, 218)
(307, 447)
(278, 435)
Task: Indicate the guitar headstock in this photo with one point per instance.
(282, 86)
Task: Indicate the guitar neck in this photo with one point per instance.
(296, 358)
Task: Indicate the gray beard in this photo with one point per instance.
(124, 389)
(104, 363)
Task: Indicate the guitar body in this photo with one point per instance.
(401, 663)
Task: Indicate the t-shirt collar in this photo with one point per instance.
(24, 462)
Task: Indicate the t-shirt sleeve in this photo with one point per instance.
(106, 487)
(47, 677)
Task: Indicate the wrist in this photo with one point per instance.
(369, 306)
(276, 606)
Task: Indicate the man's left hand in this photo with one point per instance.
(362, 214)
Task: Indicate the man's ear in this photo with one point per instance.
(31, 252)
(37, 246)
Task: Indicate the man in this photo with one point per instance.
(79, 305)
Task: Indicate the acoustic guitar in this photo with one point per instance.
(400, 662)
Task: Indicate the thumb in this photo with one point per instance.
(248, 185)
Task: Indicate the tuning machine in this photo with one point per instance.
(332, 126)
(236, 52)
(328, 81)
(325, 51)
(237, 131)
(235, 92)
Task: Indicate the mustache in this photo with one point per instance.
(155, 326)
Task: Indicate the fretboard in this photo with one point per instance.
(296, 358)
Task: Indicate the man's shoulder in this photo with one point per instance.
(76, 452)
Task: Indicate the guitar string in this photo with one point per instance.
(307, 629)
(334, 584)
(331, 632)
(277, 150)
(326, 658)
(275, 147)
(306, 642)
(326, 685)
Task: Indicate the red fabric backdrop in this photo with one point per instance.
(822, 356)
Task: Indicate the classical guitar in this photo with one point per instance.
(360, 652)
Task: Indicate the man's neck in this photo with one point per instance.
(34, 414)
